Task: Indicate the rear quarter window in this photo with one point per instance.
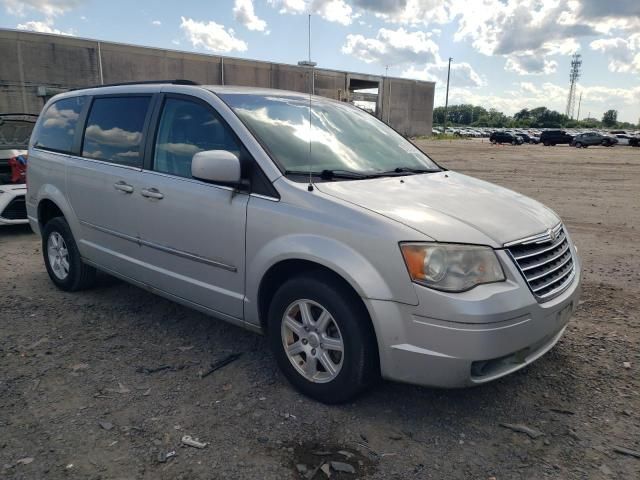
(57, 128)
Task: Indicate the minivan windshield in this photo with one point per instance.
(343, 138)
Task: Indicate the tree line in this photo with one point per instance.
(541, 117)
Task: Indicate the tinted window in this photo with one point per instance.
(114, 129)
(185, 129)
(57, 127)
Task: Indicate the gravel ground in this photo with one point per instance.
(103, 384)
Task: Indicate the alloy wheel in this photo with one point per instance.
(58, 255)
(312, 341)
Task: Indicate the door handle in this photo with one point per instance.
(151, 193)
(123, 187)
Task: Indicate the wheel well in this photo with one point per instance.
(46, 211)
(286, 269)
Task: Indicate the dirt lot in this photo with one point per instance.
(79, 397)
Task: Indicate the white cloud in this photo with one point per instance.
(289, 6)
(55, 118)
(156, 23)
(333, 10)
(42, 27)
(530, 65)
(414, 12)
(114, 136)
(522, 26)
(50, 8)
(392, 47)
(244, 13)
(211, 36)
(623, 54)
(462, 74)
(338, 11)
(607, 15)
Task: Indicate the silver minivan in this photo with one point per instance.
(306, 219)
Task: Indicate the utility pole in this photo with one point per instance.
(579, 103)
(446, 101)
(386, 71)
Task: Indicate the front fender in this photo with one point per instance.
(328, 252)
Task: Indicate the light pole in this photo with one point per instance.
(446, 101)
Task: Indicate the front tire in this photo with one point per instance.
(322, 338)
(62, 258)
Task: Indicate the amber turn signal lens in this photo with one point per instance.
(414, 257)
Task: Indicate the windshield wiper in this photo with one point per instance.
(331, 174)
(409, 170)
(337, 173)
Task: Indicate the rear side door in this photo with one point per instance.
(102, 181)
(192, 232)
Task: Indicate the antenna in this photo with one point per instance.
(574, 75)
(312, 87)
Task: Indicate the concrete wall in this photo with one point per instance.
(32, 60)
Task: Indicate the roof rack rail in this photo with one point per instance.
(178, 81)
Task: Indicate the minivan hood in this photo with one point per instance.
(449, 206)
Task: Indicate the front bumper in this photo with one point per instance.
(464, 339)
(12, 205)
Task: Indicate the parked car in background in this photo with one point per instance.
(526, 138)
(634, 141)
(15, 130)
(505, 137)
(623, 138)
(357, 255)
(589, 139)
(555, 137)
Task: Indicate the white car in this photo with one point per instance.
(15, 131)
(12, 196)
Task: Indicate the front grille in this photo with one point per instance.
(16, 210)
(545, 261)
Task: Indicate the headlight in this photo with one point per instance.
(451, 267)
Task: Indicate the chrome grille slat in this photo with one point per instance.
(565, 247)
(552, 281)
(548, 272)
(541, 251)
(560, 288)
(545, 262)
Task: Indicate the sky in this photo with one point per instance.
(507, 54)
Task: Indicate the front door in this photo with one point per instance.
(192, 232)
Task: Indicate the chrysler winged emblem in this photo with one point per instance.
(552, 235)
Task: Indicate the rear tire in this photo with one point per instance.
(545, 143)
(295, 321)
(62, 258)
(578, 145)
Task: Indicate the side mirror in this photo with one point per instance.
(217, 166)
